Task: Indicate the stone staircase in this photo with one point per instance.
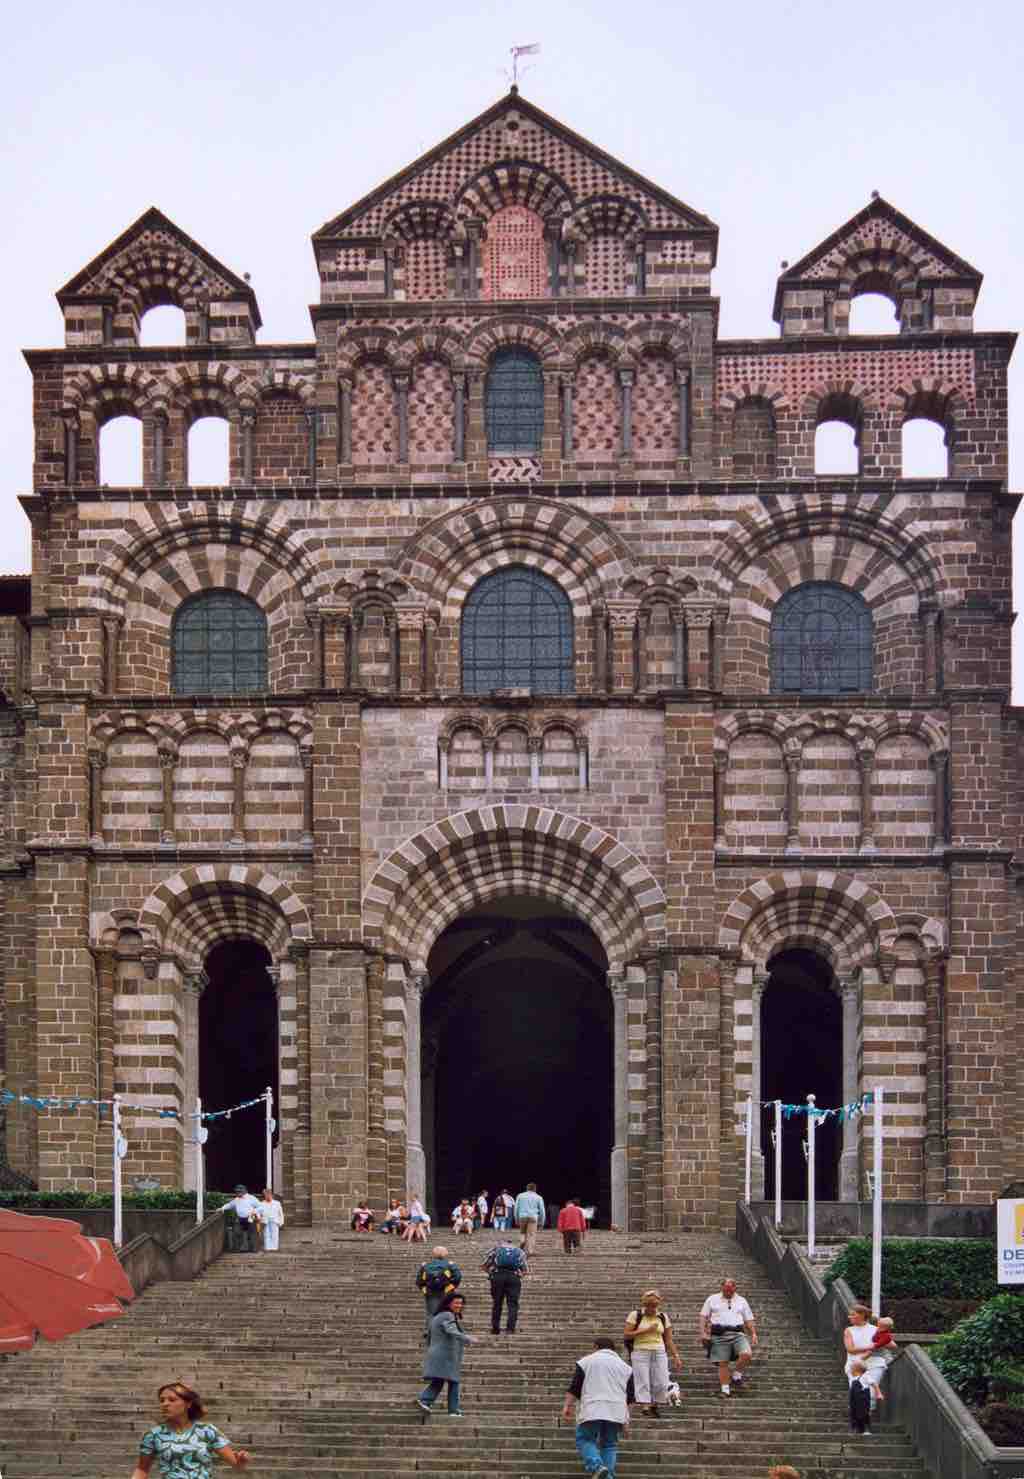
(310, 1358)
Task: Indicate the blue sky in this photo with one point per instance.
(251, 125)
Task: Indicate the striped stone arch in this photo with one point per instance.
(198, 907)
(428, 341)
(357, 345)
(420, 220)
(249, 543)
(838, 400)
(607, 215)
(925, 727)
(301, 388)
(928, 931)
(815, 535)
(154, 269)
(518, 332)
(104, 391)
(216, 382)
(447, 557)
(732, 726)
(593, 337)
(758, 392)
(833, 913)
(887, 271)
(499, 851)
(514, 182)
(673, 339)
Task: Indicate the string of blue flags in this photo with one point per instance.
(69, 1105)
(841, 1113)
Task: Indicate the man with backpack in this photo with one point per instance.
(505, 1266)
(436, 1279)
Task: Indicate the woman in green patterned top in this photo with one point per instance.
(183, 1443)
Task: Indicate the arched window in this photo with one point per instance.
(821, 641)
(515, 403)
(219, 645)
(517, 633)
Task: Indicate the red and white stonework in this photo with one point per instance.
(695, 820)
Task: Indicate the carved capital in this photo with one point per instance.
(195, 982)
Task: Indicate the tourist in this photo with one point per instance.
(572, 1224)
(531, 1214)
(244, 1205)
(860, 1399)
(362, 1218)
(727, 1322)
(602, 1384)
(505, 1266)
(864, 1366)
(462, 1217)
(418, 1225)
(394, 1218)
(184, 1444)
(436, 1279)
(443, 1361)
(270, 1215)
(501, 1211)
(651, 1345)
(481, 1209)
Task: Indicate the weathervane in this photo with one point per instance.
(517, 52)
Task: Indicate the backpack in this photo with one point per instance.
(634, 1319)
(513, 1258)
(437, 1277)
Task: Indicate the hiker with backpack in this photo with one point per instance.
(505, 1266)
(436, 1279)
(651, 1345)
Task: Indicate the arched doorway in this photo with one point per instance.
(517, 1076)
(238, 1059)
(802, 1053)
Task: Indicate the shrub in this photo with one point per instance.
(1003, 1423)
(982, 1346)
(954, 1268)
(142, 1201)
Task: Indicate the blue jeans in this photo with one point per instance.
(500, 1224)
(597, 1444)
(432, 1391)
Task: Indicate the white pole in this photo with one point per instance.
(778, 1163)
(197, 1141)
(119, 1148)
(269, 1125)
(749, 1149)
(811, 1126)
(876, 1209)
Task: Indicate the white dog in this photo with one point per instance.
(674, 1399)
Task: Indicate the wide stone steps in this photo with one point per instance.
(311, 1358)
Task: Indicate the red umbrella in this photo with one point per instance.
(54, 1281)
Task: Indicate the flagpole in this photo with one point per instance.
(197, 1140)
(115, 1120)
(749, 1149)
(778, 1163)
(811, 1188)
(269, 1132)
(876, 1209)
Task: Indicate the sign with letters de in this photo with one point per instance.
(1010, 1240)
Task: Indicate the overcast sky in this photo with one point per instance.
(252, 125)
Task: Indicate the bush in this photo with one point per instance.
(1003, 1423)
(953, 1268)
(981, 1346)
(932, 1316)
(140, 1201)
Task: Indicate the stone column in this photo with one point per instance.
(626, 386)
(159, 449)
(679, 647)
(939, 762)
(683, 384)
(430, 652)
(570, 266)
(444, 745)
(567, 427)
(866, 766)
(338, 648)
(298, 956)
(583, 762)
(792, 762)
(620, 1193)
(488, 748)
(238, 764)
(311, 443)
(306, 757)
(415, 1161)
(698, 631)
(459, 437)
(193, 984)
(849, 1175)
(410, 650)
(553, 232)
(721, 771)
(758, 982)
(622, 619)
(929, 617)
(111, 641)
(71, 450)
(533, 746)
(316, 626)
(376, 1145)
(600, 682)
(730, 1187)
(400, 381)
(654, 1181)
(344, 422)
(97, 762)
(168, 761)
(935, 1079)
(248, 448)
(106, 976)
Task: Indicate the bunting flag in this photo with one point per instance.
(843, 1112)
(50, 1101)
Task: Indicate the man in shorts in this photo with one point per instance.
(727, 1323)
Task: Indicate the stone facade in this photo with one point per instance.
(697, 820)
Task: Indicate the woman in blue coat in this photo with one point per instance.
(443, 1361)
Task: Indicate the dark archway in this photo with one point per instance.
(238, 1053)
(517, 1058)
(802, 1053)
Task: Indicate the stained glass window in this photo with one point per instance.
(219, 645)
(517, 633)
(515, 403)
(822, 641)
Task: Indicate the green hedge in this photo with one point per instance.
(952, 1268)
(977, 1356)
(140, 1201)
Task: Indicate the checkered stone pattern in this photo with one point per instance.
(887, 375)
(514, 469)
(431, 414)
(374, 417)
(425, 273)
(655, 410)
(605, 266)
(515, 257)
(597, 412)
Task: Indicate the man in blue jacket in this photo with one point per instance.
(531, 1214)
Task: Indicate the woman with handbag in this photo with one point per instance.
(650, 1344)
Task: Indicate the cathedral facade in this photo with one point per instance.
(526, 755)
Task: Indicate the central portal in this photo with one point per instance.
(517, 1058)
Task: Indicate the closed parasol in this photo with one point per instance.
(54, 1280)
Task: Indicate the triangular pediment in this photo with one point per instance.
(878, 228)
(154, 247)
(551, 166)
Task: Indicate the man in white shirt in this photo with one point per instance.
(727, 1324)
(243, 1206)
(602, 1384)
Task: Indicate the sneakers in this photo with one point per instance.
(425, 1406)
(601, 1473)
(456, 1414)
(725, 1392)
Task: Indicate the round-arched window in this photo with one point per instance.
(219, 645)
(514, 403)
(517, 633)
(822, 639)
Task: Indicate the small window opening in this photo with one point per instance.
(120, 452)
(209, 452)
(162, 327)
(924, 450)
(836, 453)
(873, 313)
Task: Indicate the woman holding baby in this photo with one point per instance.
(867, 1344)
